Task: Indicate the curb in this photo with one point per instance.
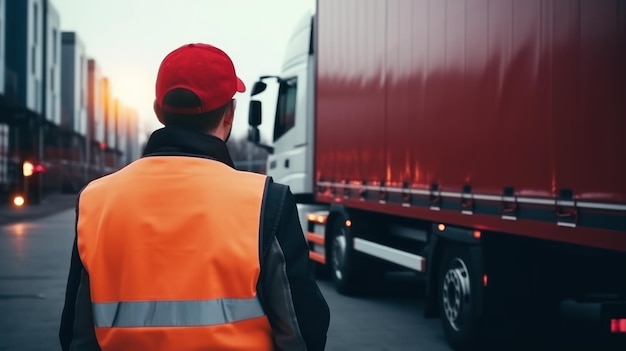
(48, 207)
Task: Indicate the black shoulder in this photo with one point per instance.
(272, 207)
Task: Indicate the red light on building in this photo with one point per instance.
(618, 325)
(102, 145)
(39, 168)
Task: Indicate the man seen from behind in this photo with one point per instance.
(181, 251)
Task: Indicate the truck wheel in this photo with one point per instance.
(457, 301)
(352, 272)
(340, 257)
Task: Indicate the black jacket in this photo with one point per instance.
(292, 301)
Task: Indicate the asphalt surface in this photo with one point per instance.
(34, 263)
(389, 320)
(49, 205)
(35, 248)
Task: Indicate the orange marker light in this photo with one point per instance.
(477, 234)
(348, 223)
(441, 227)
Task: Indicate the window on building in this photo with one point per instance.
(285, 108)
(51, 78)
(82, 78)
(54, 45)
(35, 22)
(37, 95)
(33, 59)
(4, 153)
(53, 105)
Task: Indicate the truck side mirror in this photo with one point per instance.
(258, 88)
(254, 113)
(254, 135)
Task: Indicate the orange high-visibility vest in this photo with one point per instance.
(171, 248)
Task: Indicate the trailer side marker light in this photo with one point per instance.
(19, 201)
(316, 218)
(441, 227)
(476, 234)
(485, 279)
(618, 325)
(348, 223)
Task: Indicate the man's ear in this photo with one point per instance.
(158, 112)
(229, 114)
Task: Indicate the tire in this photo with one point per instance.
(352, 272)
(458, 298)
(341, 258)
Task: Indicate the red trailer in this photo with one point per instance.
(478, 142)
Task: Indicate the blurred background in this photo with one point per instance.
(77, 80)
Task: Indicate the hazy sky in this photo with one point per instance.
(129, 38)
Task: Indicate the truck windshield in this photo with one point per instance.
(286, 108)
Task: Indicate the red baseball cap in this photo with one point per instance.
(203, 69)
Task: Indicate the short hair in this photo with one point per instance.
(201, 122)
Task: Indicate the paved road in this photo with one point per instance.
(392, 320)
(389, 320)
(34, 261)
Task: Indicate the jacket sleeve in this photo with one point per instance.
(77, 330)
(296, 309)
(66, 331)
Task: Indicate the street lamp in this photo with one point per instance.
(28, 169)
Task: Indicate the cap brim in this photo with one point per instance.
(240, 86)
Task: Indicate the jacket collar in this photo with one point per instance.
(179, 141)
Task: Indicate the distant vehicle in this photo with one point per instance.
(480, 143)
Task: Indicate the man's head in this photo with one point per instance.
(194, 89)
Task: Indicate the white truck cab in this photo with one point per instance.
(291, 152)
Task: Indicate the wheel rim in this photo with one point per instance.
(339, 252)
(456, 293)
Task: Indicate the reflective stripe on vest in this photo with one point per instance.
(175, 313)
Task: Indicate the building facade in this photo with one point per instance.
(132, 151)
(4, 127)
(57, 110)
(95, 118)
(23, 99)
(52, 65)
(95, 109)
(111, 111)
(24, 59)
(2, 41)
(74, 84)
